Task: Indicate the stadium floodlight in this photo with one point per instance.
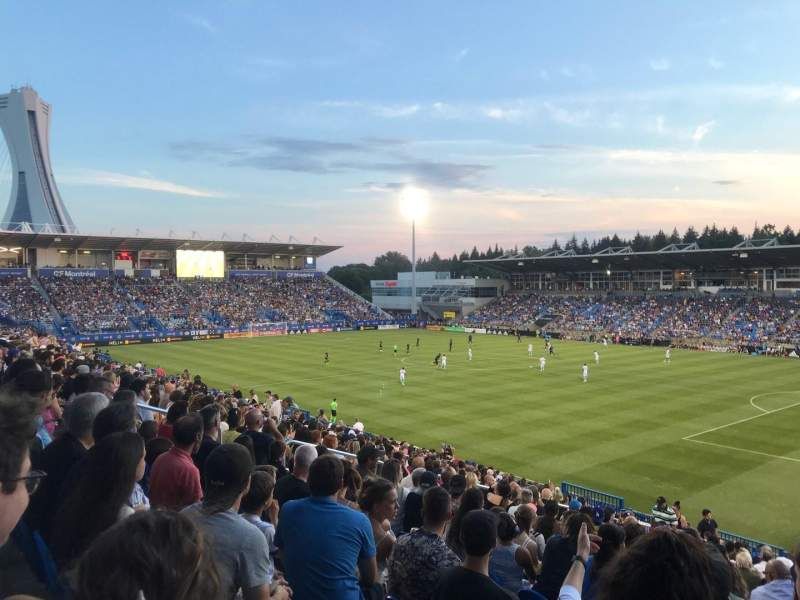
(414, 204)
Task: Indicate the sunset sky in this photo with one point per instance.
(525, 121)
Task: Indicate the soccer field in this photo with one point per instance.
(712, 430)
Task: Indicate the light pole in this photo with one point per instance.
(414, 205)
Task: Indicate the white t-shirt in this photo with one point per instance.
(358, 426)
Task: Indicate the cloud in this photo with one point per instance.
(660, 128)
(120, 180)
(395, 112)
(502, 114)
(715, 63)
(386, 111)
(462, 54)
(702, 131)
(325, 157)
(660, 64)
(200, 23)
(565, 116)
(726, 182)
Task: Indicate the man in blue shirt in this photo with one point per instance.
(322, 542)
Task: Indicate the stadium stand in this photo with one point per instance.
(337, 474)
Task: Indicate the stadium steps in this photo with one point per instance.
(382, 313)
(58, 319)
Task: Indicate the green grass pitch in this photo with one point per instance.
(712, 430)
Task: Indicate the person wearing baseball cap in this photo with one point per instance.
(240, 549)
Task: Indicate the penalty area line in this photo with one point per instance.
(746, 419)
(756, 452)
(757, 407)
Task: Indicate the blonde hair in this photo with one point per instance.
(472, 480)
(557, 495)
(743, 559)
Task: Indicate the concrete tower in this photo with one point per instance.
(35, 203)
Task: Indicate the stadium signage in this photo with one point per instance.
(280, 275)
(14, 272)
(77, 273)
(390, 326)
(166, 339)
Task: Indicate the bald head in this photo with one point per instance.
(776, 569)
(254, 420)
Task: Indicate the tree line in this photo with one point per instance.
(386, 266)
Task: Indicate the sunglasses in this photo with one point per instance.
(32, 481)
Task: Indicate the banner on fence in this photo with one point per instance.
(389, 326)
(72, 272)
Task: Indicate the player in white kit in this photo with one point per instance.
(585, 373)
(469, 353)
(542, 362)
(596, 357)
(668, 356)
(530, 350)
(443, 361)
(402, 376)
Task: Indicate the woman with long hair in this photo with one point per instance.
(378, 500)
(158, 555)
(99, 496)
(613, 543)
(471, 500)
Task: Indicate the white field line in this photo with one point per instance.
(763, 414)
(757, 407)
(776, 456)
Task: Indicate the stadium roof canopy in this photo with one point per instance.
(75, 241)
(749, 254)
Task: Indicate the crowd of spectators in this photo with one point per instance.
(21, 302)
(732, 318)
(92, 304)
(229, 496)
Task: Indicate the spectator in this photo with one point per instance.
(99, 497)
(779, 584)
(509, 563)
(530, 541)
(707, 527)
(153, 555)
(657, 567)
(412, 509)
(174, 478)
(142, 391)
(17, 481)
(471, 580)
(255, 503)
(367, 459)
(558, 553)
(210, 416)
(294, 485)
(240, 549)
(378, 500)
(612, 542)
(420, 556)
(766, 554)
(59, 457)
(343, 540)
(662, 513)
(744, 565)
(117, 416)
(255, 423)
(472, 500)
(175, 411)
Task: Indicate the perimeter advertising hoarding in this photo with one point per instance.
(166, 339)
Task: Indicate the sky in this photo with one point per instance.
(524, 121)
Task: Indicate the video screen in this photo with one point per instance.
(201, 263)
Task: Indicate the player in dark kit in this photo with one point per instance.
(327, 359)
(451, 345)
(470, 339)
(408, 348)
(417, 342)
(380, 346)
(437, 358)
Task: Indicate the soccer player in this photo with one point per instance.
(542, 362)
(605, 341)
(417, 342)
(451, 345)
(334, 405)
(585, 373)
(596, 357)
(530, 350)
(408, 348)
(469, 353)
(380, 346)
(395, 350)
(668, 355)
(551, 350)
(443, 361)
(470, 339)
(403, 376)
(327, 358)
(436, 359)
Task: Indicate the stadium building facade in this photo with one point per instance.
(756, 266)
(438, 295)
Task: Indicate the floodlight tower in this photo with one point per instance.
(35, 203)
(414, 203)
